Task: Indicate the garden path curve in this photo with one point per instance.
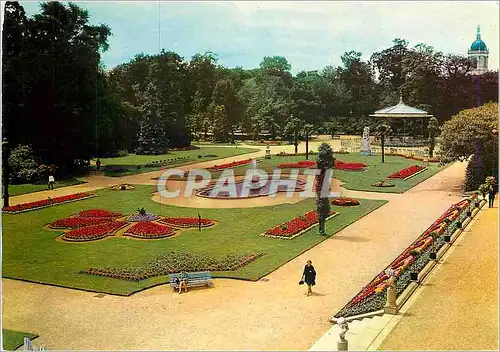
(271, 314)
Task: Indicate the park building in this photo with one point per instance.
(478, 54)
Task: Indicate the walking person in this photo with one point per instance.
(51, 182)
(491, 195)
(309, 277)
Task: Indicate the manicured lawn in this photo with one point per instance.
(32, 253)
(134, 164)
(13, 339)
(357, 180)
(15, 190)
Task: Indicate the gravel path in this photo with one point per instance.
(272, 314)
(459, 308)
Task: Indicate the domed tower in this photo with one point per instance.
(478, 54)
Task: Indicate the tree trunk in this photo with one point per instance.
(307, 146)
(383, 144)
(5, 169)
(296, 143)
(431, 147)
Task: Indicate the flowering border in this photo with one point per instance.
(164, 220)
(81, 196)
(149, 236)
(395, 175)
(298, 233)
(230, 165)
(413, 259)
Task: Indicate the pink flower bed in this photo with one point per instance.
(149, 229)
(186, 222)
(294, 226)
(77, 222)
(94, 232)
(98, 213)
(409, 171)
(19, 208)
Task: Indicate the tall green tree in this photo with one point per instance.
(433, 130)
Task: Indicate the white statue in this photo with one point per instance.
(365, 142)
(344, 328)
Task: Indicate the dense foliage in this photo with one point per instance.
(59, 99)
(472, 134)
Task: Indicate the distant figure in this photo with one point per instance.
(98, 164)
(51, 181)
(491, 196)
(183, 280)
(309, 277)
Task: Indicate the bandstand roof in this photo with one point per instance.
(400, 111)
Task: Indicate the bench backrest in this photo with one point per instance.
(199, 275)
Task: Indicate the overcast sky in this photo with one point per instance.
(311, 35)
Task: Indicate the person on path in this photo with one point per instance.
(183, 280)
(51, 182)
(98, 164)
(309, 277)
(491, 196)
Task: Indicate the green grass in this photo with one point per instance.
(13, 339)
(357, 180)
(32, 253)
(133, 164)
(15, 190)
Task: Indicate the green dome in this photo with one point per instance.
(478, 45)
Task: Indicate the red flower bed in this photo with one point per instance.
(402, 174)
(345, 201)
(306, 164)
(341, 165)
(76, 222)
(149, 229)
(98, 213)
(293, 227)
(95, 232)
(46, 203)
(229, 165)
(186, 222)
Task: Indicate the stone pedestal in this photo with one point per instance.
(391, 306)
(342, 345)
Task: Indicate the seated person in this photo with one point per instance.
(182, 281)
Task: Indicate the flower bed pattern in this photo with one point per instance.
(298, 165)
(186, 222)
(229, 165)
(345, 202)
(341, 165)
(98, 213)
(77, 222)
(373, 296)
(149, 230)
(142, 217)
(382, 184)
(19, 208)
(94, 232)
(408, 172)
(173, 262)
(295, 227)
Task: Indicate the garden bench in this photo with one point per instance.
(196, 279)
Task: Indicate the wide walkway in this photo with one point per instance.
(458, 306)
(271, 314)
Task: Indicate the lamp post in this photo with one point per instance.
(5, 171)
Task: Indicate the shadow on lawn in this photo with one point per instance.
(350, 238)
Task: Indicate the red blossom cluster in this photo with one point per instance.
(341, 165)
(345, 201)
(149, 229)
(98, 213)
(229, 165)
(77, 221)
(94, 232)
(402, 174)
(306, 164)
(296, 225)
(45, 202)
(186, 222)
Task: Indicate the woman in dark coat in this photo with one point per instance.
(309, 277)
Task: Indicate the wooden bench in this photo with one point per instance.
(196, 279)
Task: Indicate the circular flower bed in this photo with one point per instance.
(122, 187)
(382, 184)
(148, 229)
(187, 222)
(345, 201)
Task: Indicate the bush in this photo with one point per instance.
(474, 174)
(25, 167)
